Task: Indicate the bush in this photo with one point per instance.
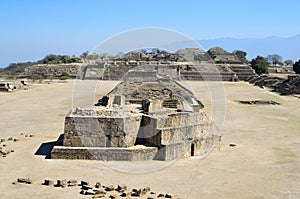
(296, 67)
(260, 65)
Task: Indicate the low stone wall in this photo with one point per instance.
(52, 70)
(104, 154)
(174, 151)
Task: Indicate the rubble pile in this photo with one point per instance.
(283, 86)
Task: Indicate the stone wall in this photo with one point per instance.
(174, 151)
(94, 131)
(181, 127)
(105, 154)
(52, 70)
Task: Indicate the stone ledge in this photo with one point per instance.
(106, 154)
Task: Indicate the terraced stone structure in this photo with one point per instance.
(185, 64)
(13, 85)
(147, 116)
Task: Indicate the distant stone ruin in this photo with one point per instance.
(42, 71)
(7, 87)
(282, 70)
(190, 63)
(147, 116)
(185, 64)
(10, 86)
(283, 86)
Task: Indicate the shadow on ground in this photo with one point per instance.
(46, 147)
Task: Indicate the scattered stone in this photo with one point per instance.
(112, 196)
(24, 180)
(232, 145)
(138, 193)
(144, 191)
(121, 188)
(4, 151)
(134, 190)
(88, 192)
(124, 194)
(61, 183)
(2, 140)
(99, 191)
(259, 102)
(147, 189)
(10, 139)
(98, 185)
(99, 195)
(86, 187)
(84, 183)
(48, 182)
(16, 140)
(31, 135)
(110, 188)
(72, 183)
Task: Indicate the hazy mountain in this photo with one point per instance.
(288, 48)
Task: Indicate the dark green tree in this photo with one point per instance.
(241, 55)
(84, 54)
(296, 67)
(260, 65)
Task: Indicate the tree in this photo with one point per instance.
(296, 67)
(260, 65)
(288, 62)
(155, 51)
(241, 55)
(274, 59)
(84, 54)
(45, 61)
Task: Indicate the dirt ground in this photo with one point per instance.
(264, 164)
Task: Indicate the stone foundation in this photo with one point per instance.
(151, 120)
(104, 154)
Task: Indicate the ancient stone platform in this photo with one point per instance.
(147, 116)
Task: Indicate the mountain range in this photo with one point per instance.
(287, 48)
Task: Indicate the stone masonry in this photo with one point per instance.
(145, 117)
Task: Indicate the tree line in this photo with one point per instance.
(261, 64)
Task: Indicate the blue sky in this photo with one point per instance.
(32, 29)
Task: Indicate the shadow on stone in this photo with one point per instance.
(46, 147)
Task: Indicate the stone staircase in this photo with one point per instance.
(242, 71)
(170, 104)
(208, 72)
